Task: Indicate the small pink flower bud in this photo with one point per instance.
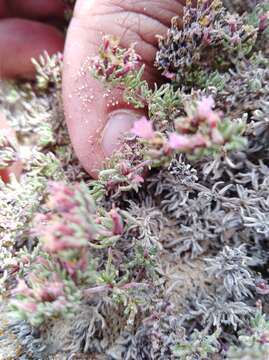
(117, 222)
(197, 140)
(262, 288)
(236, 39)
(65, 230)
(178, 142)
(54, 244)
(22, 289)
(169, 75)
(70, 268)
(143, 128)
(62, 197)
(41, 218)
(41, 260)
(137, 179)
(217, 137)
(127, 68)
(124, 167)
(130, 56)
(59, 187)
(59, 304)
(106, 43)
(50, 291)
(232, 24)
(213, 119)
(264, 22)
(25, 259)
(204, 108)
(25, 306)
(264, 339)
(110, 70)
(207, 38)
(83, 262)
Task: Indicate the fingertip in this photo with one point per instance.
(119, 123)
(20, 41)
(34, 9)
(2, 9)
(96, 117)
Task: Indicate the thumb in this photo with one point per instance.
(96, 117)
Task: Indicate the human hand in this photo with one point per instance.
(25, 33)
(95, 120)
(89, 113)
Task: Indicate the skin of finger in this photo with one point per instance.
(86, 103)
(2, 8)
(21, 40)
(34, 9)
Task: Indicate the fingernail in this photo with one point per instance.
(119, 122)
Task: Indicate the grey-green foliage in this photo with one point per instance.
(240, 6)
(253, 343)
(30, 340)
(206, 40)
(230, 267)
(216, 311)
(197, 346)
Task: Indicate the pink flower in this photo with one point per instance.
(117, 222)
(137, 179)
(124, 167)
(262, 288)
(204, 108)
(59, 304)
(213, 119)
(110, 70)
(50, 291)
(169, 75)
(178, 142)
(131, 56)
(25, 306)
(197, 140)
(60, 187)
(83, 262)
(235, 40)
(54, 244)
(42, 261)
(143, 128)
(106, 43)
(207, 37)
(125, 70)
(62, 197)
(22, 289)
(232, 24)
(264, 23)
(217, 137)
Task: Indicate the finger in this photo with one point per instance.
(22, 40)
(93, 124)
(35, 9)
(2, 8)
